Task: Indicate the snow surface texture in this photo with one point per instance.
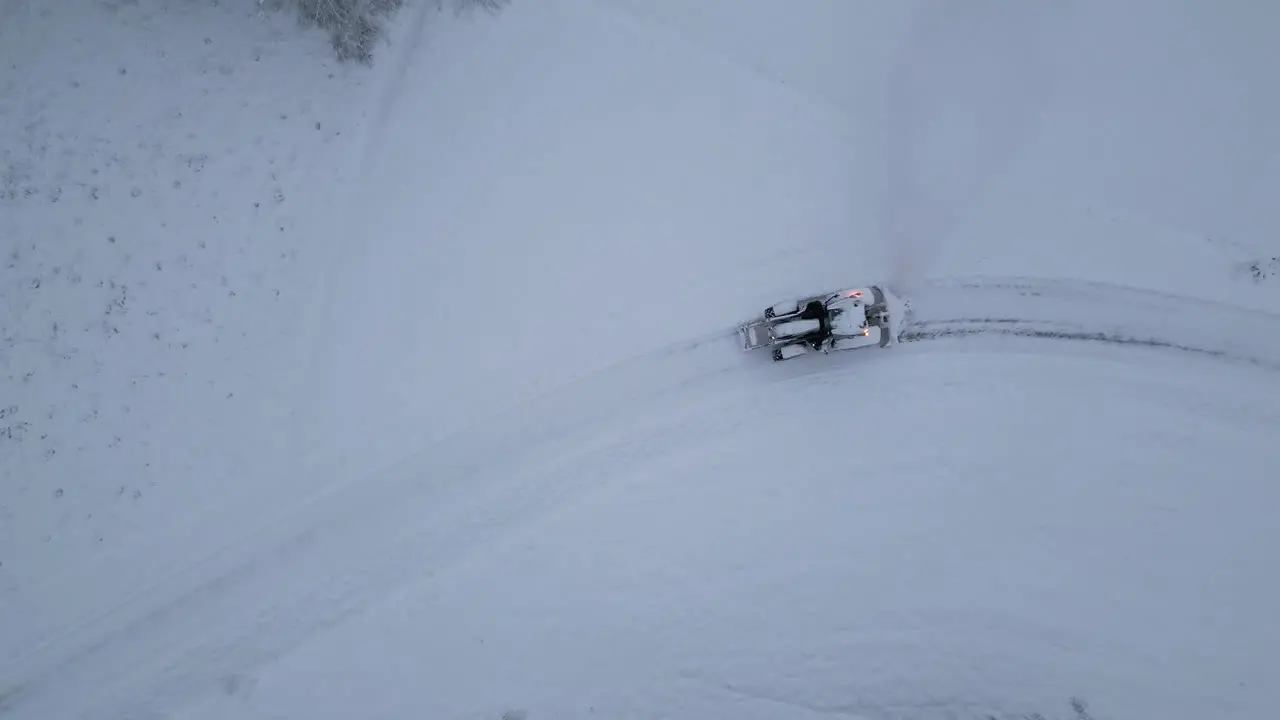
(289, 427)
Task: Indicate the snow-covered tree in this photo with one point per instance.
(354, 26)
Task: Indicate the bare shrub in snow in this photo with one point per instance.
(1263, 269)
(1257, 270)
(355, 26)
(492, 6)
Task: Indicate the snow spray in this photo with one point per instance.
(968, 85)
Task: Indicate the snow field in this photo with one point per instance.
(223, 502)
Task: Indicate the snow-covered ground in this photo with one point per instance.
(409, 391)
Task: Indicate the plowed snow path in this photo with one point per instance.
(288, 578)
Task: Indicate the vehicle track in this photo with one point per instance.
(968, 327)
(1094, 313)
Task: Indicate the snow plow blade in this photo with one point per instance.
(754, 335)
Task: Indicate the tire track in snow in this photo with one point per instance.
(1093, 312)
(969, 327)
(337, 553)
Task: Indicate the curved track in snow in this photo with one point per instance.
(289, 578)
(1095, 312)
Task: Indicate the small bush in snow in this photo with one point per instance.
(1263, 269)
(354, 26)
(492, 6)
(1257, 270)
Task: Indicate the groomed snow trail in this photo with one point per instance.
(934, 535)
(289, 578)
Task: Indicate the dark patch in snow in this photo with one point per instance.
(8, 696)
(1260, 270)
(237, 684)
